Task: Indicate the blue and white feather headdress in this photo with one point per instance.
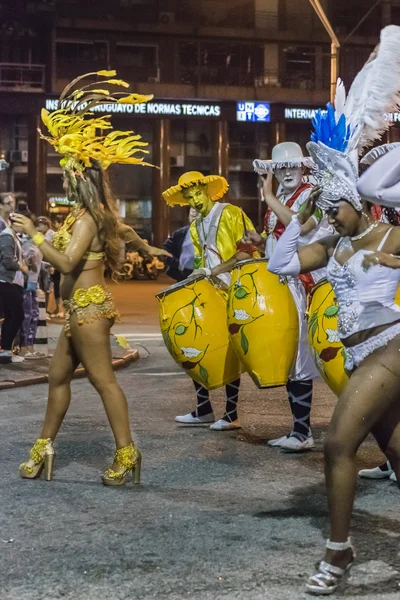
(354, 123)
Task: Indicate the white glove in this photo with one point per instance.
(284, 259)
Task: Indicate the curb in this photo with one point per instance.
(117, 364)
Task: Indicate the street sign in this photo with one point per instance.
(253, 111)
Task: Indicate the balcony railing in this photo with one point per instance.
(224, 76)
(17, 77)
(70, 69)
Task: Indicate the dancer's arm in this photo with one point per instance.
(228, 265)
(82, 236)
(284, 213)
(381, 181)
(129, 236)
(288, 259)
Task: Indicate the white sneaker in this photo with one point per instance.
(222, 425)
(34, 355)
(393, 477)
(189, 419)
(16, 358)
(384, 471)
(277, 443)
(292, 444)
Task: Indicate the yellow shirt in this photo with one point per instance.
(230, 231)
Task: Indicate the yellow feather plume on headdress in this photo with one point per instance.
(77, 134)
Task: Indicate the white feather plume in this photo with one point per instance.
(340, 99)
(375, 92)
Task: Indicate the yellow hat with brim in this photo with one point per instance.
(217, 187)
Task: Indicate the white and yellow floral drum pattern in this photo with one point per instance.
(263, 323)
(195, 332)
(323, 337)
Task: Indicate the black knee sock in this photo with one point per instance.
(204, 406)
(232, 394)
(300, 397)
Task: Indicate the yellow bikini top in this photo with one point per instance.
(62, 237)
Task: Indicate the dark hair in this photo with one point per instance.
(22, 207)
(392, 215)
(43, 219)
(92, 190)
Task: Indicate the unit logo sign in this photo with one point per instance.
(253, 111)
(194, 109)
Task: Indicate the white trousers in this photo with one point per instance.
(304, 367)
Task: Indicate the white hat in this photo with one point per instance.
(286, 154)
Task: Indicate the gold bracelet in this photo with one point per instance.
(38, 238)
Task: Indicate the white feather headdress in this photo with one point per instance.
(342, 132)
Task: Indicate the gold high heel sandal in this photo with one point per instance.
(128, 460)
(41, 458)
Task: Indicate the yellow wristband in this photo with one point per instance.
(38, 239)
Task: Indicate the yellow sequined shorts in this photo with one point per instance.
(90, 304)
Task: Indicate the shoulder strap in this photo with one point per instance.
(385, 237)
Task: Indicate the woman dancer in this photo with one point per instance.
(368, 319)
(88, 241)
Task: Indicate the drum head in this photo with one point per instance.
(250, 261)
(179, 285)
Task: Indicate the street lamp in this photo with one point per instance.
(335, 44)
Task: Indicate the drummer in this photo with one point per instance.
(289, 165)
(216, 234)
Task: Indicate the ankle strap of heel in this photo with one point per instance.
(339, 545)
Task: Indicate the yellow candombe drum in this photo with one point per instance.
(263, 323)
(194, 329)
(323, 337)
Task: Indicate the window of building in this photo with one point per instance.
(188, 62)
(21, 135)
(138, 62)
(230, 64)
(74, 57)
(248, 141)
(299, 67)
(352, 60)
(191, 146)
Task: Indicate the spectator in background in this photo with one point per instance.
(7, 206)
(43, 224)
(33, 259)
(12, 269)
(180, 245)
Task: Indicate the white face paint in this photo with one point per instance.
(289, 178)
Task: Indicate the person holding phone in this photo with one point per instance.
(12, 270)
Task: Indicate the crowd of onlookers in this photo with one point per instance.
(22, 273)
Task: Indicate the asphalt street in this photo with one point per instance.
(218, 515)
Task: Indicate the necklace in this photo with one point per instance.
(364, 233)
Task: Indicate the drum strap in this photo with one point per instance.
(208, 240)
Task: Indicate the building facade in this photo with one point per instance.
(230, 79)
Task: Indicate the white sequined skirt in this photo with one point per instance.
(356, 354)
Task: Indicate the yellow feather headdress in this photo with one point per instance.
(78, 135)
